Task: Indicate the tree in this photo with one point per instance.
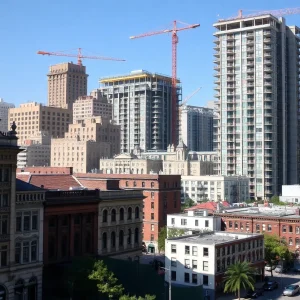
(175, 232)
(275, 249)
(240, 275)
(127, 297)
(276, 200)
(188, 202)
(106, 280)
(162, 235)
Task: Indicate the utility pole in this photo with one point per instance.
(170, 287)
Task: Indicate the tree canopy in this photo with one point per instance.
(167, 233)
(147, 297)
(239, 275)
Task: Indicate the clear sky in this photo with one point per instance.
(103, 28)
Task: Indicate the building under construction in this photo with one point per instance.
(141, 104)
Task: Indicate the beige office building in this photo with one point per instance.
(86, 142)
(66, 82)
(91, 106)
(34, 117)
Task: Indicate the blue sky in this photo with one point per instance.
(103, 28)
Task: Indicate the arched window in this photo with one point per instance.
(290, 241)
(113, 239)
(121, 238)
(104, 216)
(136, 236)
(137, 212)
(19, 289)
(134, 184)
(143, 184)
(32, 289)
(129, 213)
(88, 242)
(152, 184)
(64, 246)
(77, 244)
(121, 214)
(113, 215)
(129, 237)
(142, 171)
(228, 261)
(104, 240)
(3, 294)
(233, 260)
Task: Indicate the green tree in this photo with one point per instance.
(175, 232)
(162, 235)
(106, 280)
(240, 275)
(275, 250)
(127, 297)
(276, 200)
(188, 202)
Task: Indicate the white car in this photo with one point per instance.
(269, 268)
(291, 290)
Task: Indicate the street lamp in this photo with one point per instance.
(170, 287)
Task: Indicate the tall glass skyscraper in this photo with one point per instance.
(257, 87)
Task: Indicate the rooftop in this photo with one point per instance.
(22, 186)
(214, 238)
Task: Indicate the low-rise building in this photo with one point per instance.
(202, 259)
(290, 194)
(280, 221)
(193, 222)
(215, 188)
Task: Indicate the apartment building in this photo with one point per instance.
(280, 221)
(215, 188)
(33, 118)
(34, 155)
(21, 216)
(257, 87)
(66, 82)
(203, 259)
(4, 119)
(86, 107)
(193, 222)
(141, 103)
(86, 142)
(196, 127)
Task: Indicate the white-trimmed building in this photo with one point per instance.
(202, 259)
(290, 194)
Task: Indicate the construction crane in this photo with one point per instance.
(190, 96)
(275, 13)
(78, 55)
(174, 31)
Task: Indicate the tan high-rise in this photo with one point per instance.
(66, 82)
(33, 117)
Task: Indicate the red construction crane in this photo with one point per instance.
(190, 96)
(174, 31)
(78, 55)
(275, 13)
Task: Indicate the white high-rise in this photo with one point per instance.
(257, 84)
(4, 107)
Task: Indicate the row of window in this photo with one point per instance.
(184, 222)
(187, 250)
(231, 249)
(191, 278)
(190, 264)
(4, 174)
(113, 239)
(113, 214)
(64, 220)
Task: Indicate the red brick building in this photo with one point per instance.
(162, 197)
(287, 226)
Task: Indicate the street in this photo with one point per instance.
(284, 280)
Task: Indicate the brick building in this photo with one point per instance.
(282, 222)
(162, 197)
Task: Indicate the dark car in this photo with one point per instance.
(254, 294)
(270, 285)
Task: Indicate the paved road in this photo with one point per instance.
(283, 281)
(147, 258)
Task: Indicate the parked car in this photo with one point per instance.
(254, 294)
(291, 290)
(269, 268)
(270, 285)
(280, 269)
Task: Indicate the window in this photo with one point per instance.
(257, 228)
(205, 280)
(4, 224)
(183, 221)
(230, 224)
(173, 275)
(194, 264)
(206, 223)
(205, 251)
(152, 227)
(129, 213)
(134, 184)
(194, 279)
(152, 205)
(127, 183)
(236, 225)
(173, 248)
(172, 221)
(104, 216)
(269, 227)
(283, 228)
(121, 214)
(297, 230)
(143, 184)
(195, 250)
(113, 215)
(290, 229)
(152, 195)
(186, 277)
(187, 263)
(152, 185)
(187, 250)
(152, 216)
(205, 265)
(137, 212)
(196, 223)
(173, 262)
(4, 200)
(152, 239)
(3, 255)
(290, 241)
(77, 219)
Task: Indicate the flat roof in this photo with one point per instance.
(185, 215)
(214, 238)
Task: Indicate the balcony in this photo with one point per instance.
(267, 40)
(250, 70)
(250, 49)
(267, 33)
(268, 91)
